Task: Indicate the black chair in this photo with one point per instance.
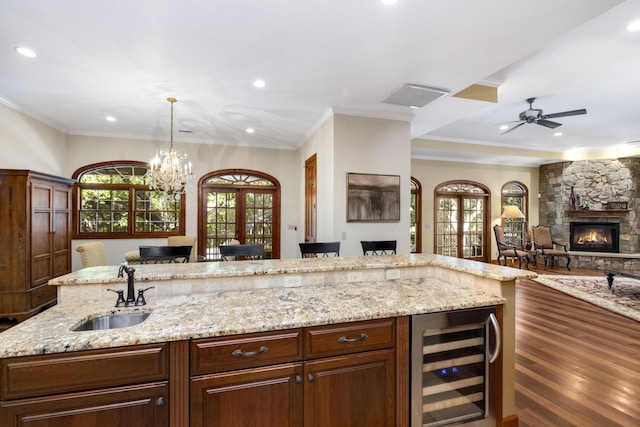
(379, 247)
(242, 252)
(164, 254)
(312, 250)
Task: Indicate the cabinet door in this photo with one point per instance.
(61, 229)
(265, 397)
(41, 233)
(350, 391)
(144, 405)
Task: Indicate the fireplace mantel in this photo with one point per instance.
(609, 213)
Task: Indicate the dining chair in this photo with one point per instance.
(313, 250)
(164, 254)
(379, 247)
(242, 252)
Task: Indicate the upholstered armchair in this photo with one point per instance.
(546, 247)
(92, 254)
(508, 250)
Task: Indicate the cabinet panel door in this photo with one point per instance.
(61, 231)
(144, 405)
(41, 232)
(349, 391)
(265, 397)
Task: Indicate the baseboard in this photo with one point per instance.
(510, 421)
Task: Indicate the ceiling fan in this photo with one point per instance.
(535, 115)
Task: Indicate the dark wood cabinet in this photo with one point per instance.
(143, 405)
(353, 390)
(344, 376)
(35, 212)
(337, 375)
(269, 397)
(127, 386)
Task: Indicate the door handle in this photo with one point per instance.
(496, 328)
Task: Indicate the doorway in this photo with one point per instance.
(462, 212)
(238, 206)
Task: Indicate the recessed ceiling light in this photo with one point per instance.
(389, 2)
(504, 127)
(250, 130)
(259, 83)
(557, 134)
(110, 119)
(634, 26)
(25, 51)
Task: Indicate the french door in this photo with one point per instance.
(238, 207)
(462, 221)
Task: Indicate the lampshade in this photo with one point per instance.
(512, 211)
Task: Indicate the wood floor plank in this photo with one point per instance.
(576, 364)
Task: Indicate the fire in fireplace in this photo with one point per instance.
(594, 237)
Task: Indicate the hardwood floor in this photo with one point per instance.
(576, 364)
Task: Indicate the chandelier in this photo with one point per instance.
(169, 170)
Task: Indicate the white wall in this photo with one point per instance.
(281, 164)
(346, 144)
(374, 146)
(432, 173)
(319, 143)
(28, 144)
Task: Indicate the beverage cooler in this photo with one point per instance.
(453, 368)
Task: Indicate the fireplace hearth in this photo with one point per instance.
(594, 237)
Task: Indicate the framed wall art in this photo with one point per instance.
(373, 198)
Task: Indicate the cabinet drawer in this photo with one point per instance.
(42, 295)
(347, 338)
(246, 351)
(42, 375)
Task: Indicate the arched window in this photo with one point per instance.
(242, 205)
(112, 201)
(415, 220)
(515, 229)
(462, 220)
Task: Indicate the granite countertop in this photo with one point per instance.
(201, 270)
(238, 312)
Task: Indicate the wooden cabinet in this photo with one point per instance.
(340, 375)
(349, 374)
(126, 386)
(36, 233)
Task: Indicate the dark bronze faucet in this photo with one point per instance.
(131, 298)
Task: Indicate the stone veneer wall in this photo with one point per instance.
(598, 182)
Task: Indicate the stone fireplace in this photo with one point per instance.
(594, 237)
(596, 183)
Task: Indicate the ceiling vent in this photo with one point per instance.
(415, 96)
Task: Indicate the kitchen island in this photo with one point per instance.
(217, 301)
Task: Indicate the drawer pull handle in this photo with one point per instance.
(239, 352)
(310, 378)
(298, 379)
(160, 402)
(362, 337)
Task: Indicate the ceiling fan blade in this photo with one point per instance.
(565, 114)
(513, 128)
(548, 123)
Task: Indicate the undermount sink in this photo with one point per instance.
(112, 321)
